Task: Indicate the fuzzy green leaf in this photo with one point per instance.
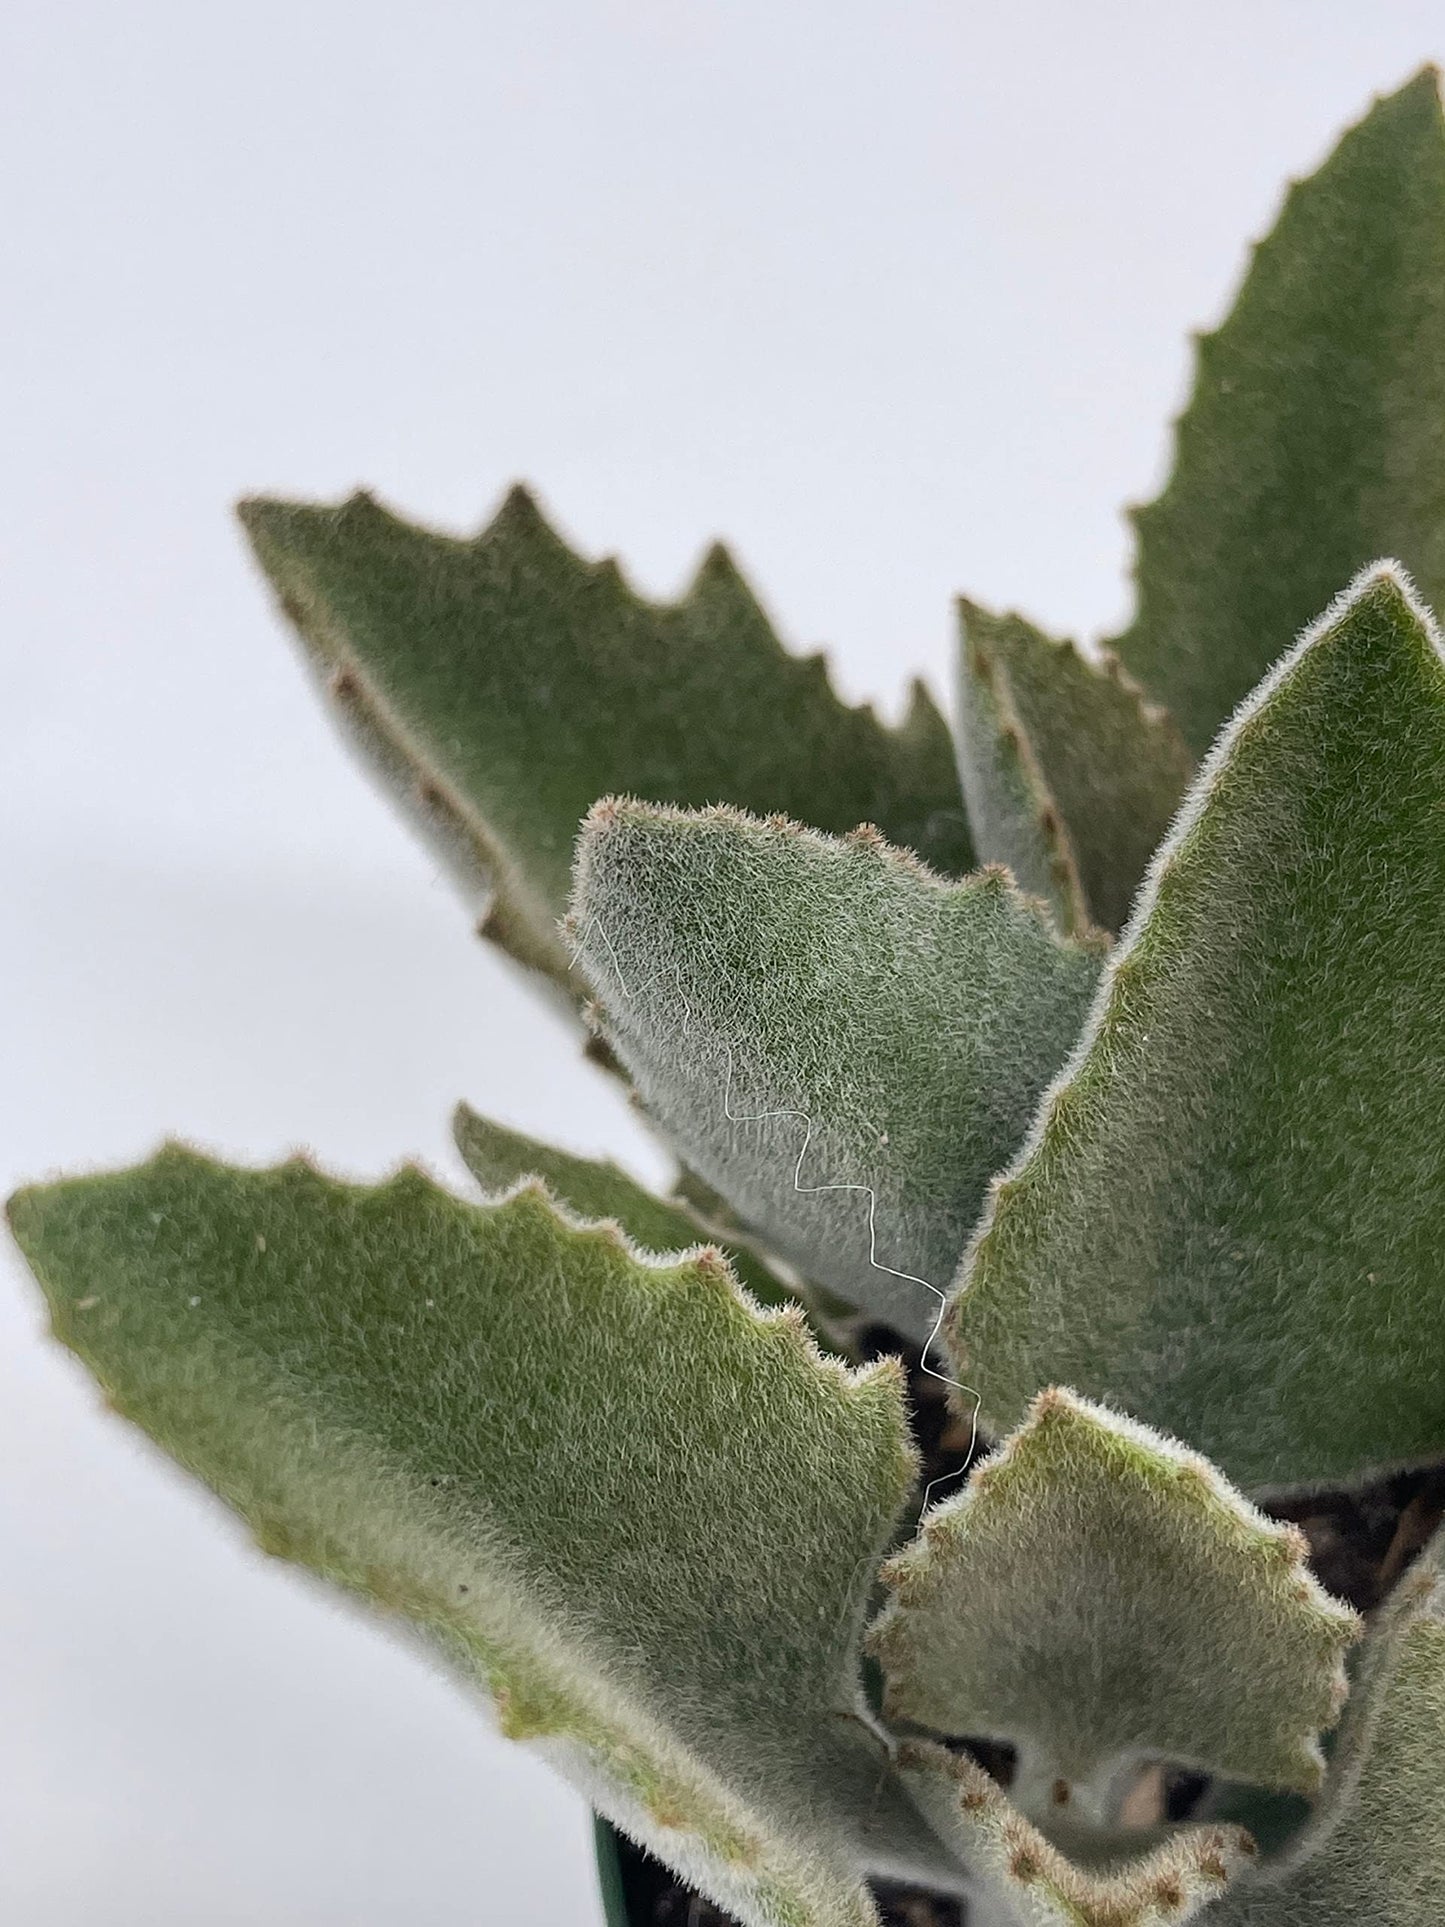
(1027, 1882)
(1375, 1849)
(501, 685)
(1012, 813)
(1070, 776)
(516, 1433)
(1228, 1217)
(1096, 1596)
(1315, 437)
(843, 1045)
(598, 1191)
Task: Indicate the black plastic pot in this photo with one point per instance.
(610, 1876)
(630, 1880)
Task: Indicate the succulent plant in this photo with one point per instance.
(1094, 1067)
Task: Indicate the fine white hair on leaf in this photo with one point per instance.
(971, 1393)
(756, 978)
(902, 1026)
(1232, 1180)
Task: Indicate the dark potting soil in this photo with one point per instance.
(1361, 1542)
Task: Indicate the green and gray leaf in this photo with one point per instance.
(500, 685)
(1095, 1597)
(1314, 440)
(599, 1191)
(1375, 1850)
(844, 1045)
(519, 1435)
(1228, 1218)
(1070, 776)
(1027, 1882)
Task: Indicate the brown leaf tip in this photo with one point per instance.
(605, 813)
(1294, 1547)
(1053, 1403)
(866, 836)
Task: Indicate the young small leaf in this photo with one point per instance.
(598, 1191)
(522, 1437)
(1375, 1849)
(501, 685)
(1228, 1218)
(1070, 776)
(1315, 437)
(1027, 1882)
(843, 1045)
(1097, 1596)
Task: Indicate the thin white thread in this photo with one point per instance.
(811, 1190)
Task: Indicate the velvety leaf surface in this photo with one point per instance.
(1314, 440)
(1228, 1218)
(1027, 1882)
(521, 1436)
(844, 1045)
(1070, 776)
(1375, 1851)
(1097, 1596)
(501, 685)
(599, 1191)
(1012, 813)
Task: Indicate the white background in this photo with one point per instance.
(895, 297)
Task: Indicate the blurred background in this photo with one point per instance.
(895, 298)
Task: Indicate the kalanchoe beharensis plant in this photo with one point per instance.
(1103, 1067)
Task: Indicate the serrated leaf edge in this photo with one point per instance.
(908, 1575)
(1087, 1064)
(991, 679)
(1168, 1886)
(1141, 512)
(512, 918)
(626, 1773)
(990, 879)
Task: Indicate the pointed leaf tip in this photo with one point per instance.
(1315, 434)
(1070, 777)
(353, 1370)
(520, 505)
(781, 995)
(507, 683)
(594, 1190)
(1244, 1154)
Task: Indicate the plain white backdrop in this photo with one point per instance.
(894, 297)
